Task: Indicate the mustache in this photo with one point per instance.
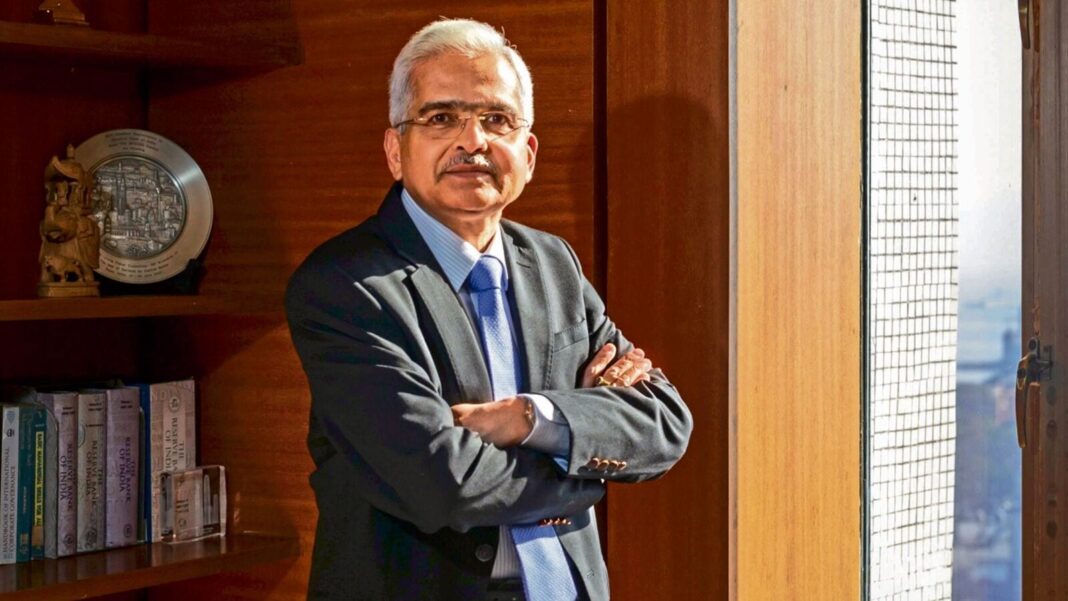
(467, 158)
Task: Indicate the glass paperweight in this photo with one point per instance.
(193, 503)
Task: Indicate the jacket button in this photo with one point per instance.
(485, 553)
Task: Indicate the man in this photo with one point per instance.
(459, 438)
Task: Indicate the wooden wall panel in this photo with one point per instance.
(294, 156)
(796, 451)
(44, 107)
(668, 259)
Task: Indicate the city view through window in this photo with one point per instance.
(944, 314)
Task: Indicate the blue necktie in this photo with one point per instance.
(546, 576)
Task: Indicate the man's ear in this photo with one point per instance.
(532, 154)
(392, 145)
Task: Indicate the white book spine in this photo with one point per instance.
(92, 415)
(172, 438)
(123, 415)
(66, 409)
(9, 484)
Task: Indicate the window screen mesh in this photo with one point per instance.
(912, 297)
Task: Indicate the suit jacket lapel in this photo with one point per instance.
(447, 315)
(531, 308)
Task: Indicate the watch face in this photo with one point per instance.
(151, 201)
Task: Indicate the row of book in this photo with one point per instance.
(80, 470)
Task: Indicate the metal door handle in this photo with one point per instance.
(1029, 372)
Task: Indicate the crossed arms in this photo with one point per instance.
(377, 400)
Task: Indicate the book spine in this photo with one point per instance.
(123, 416)
(51, 473)
(65, 474)
(25, 503)
(91, 453)
(189, 402)
(9, 480)
(145, 394)
(172, 444)
(39, 425)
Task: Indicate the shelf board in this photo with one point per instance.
(82, 45)
(44, 309)
(140, 566)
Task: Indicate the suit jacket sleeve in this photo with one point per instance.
(384, 416)
(646, 425)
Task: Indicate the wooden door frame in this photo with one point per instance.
(1045, 275)
(796, 427)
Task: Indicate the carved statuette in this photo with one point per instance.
(61, 12)
(70, 237)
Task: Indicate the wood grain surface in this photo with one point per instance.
(1045, 306)
(294, 156)
(796, 446)
(668, 279)
(44, 107)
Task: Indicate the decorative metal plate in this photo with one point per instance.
(151, 201)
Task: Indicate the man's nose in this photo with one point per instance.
(472, 137)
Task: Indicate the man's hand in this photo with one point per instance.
(625, 371)
(503, 423)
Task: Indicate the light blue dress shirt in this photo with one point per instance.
(551, 433)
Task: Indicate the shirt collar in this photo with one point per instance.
(455, 255)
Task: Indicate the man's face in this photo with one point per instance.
(468, 177)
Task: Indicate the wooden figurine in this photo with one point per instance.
(61, 12)
(70, 237)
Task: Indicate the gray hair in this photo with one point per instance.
(465, 36)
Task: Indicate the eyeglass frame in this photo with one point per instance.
(422, 122)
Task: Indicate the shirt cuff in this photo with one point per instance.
(551, 433)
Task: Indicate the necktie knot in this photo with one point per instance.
(487, 274)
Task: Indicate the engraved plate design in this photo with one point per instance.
(151, 201)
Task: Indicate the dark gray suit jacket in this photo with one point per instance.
(409, 504)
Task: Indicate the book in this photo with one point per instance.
(33, 466)
(170, 419)
(9, 483)
(122, 452)
(92, 416)
(21, 439)
(61, 473)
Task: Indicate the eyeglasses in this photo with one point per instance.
(446, 125)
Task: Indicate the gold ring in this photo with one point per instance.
(601, 381)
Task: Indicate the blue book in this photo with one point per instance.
(33, 462)
(18, 490)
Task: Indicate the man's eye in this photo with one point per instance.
(442, 119)
(497, 119)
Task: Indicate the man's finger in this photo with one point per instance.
(601, 359)
(633, 373)
(618, 368)
(598, 364)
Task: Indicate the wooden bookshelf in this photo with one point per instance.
(130, 306)
(82, 45)
(51, 104)
(141, 566)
